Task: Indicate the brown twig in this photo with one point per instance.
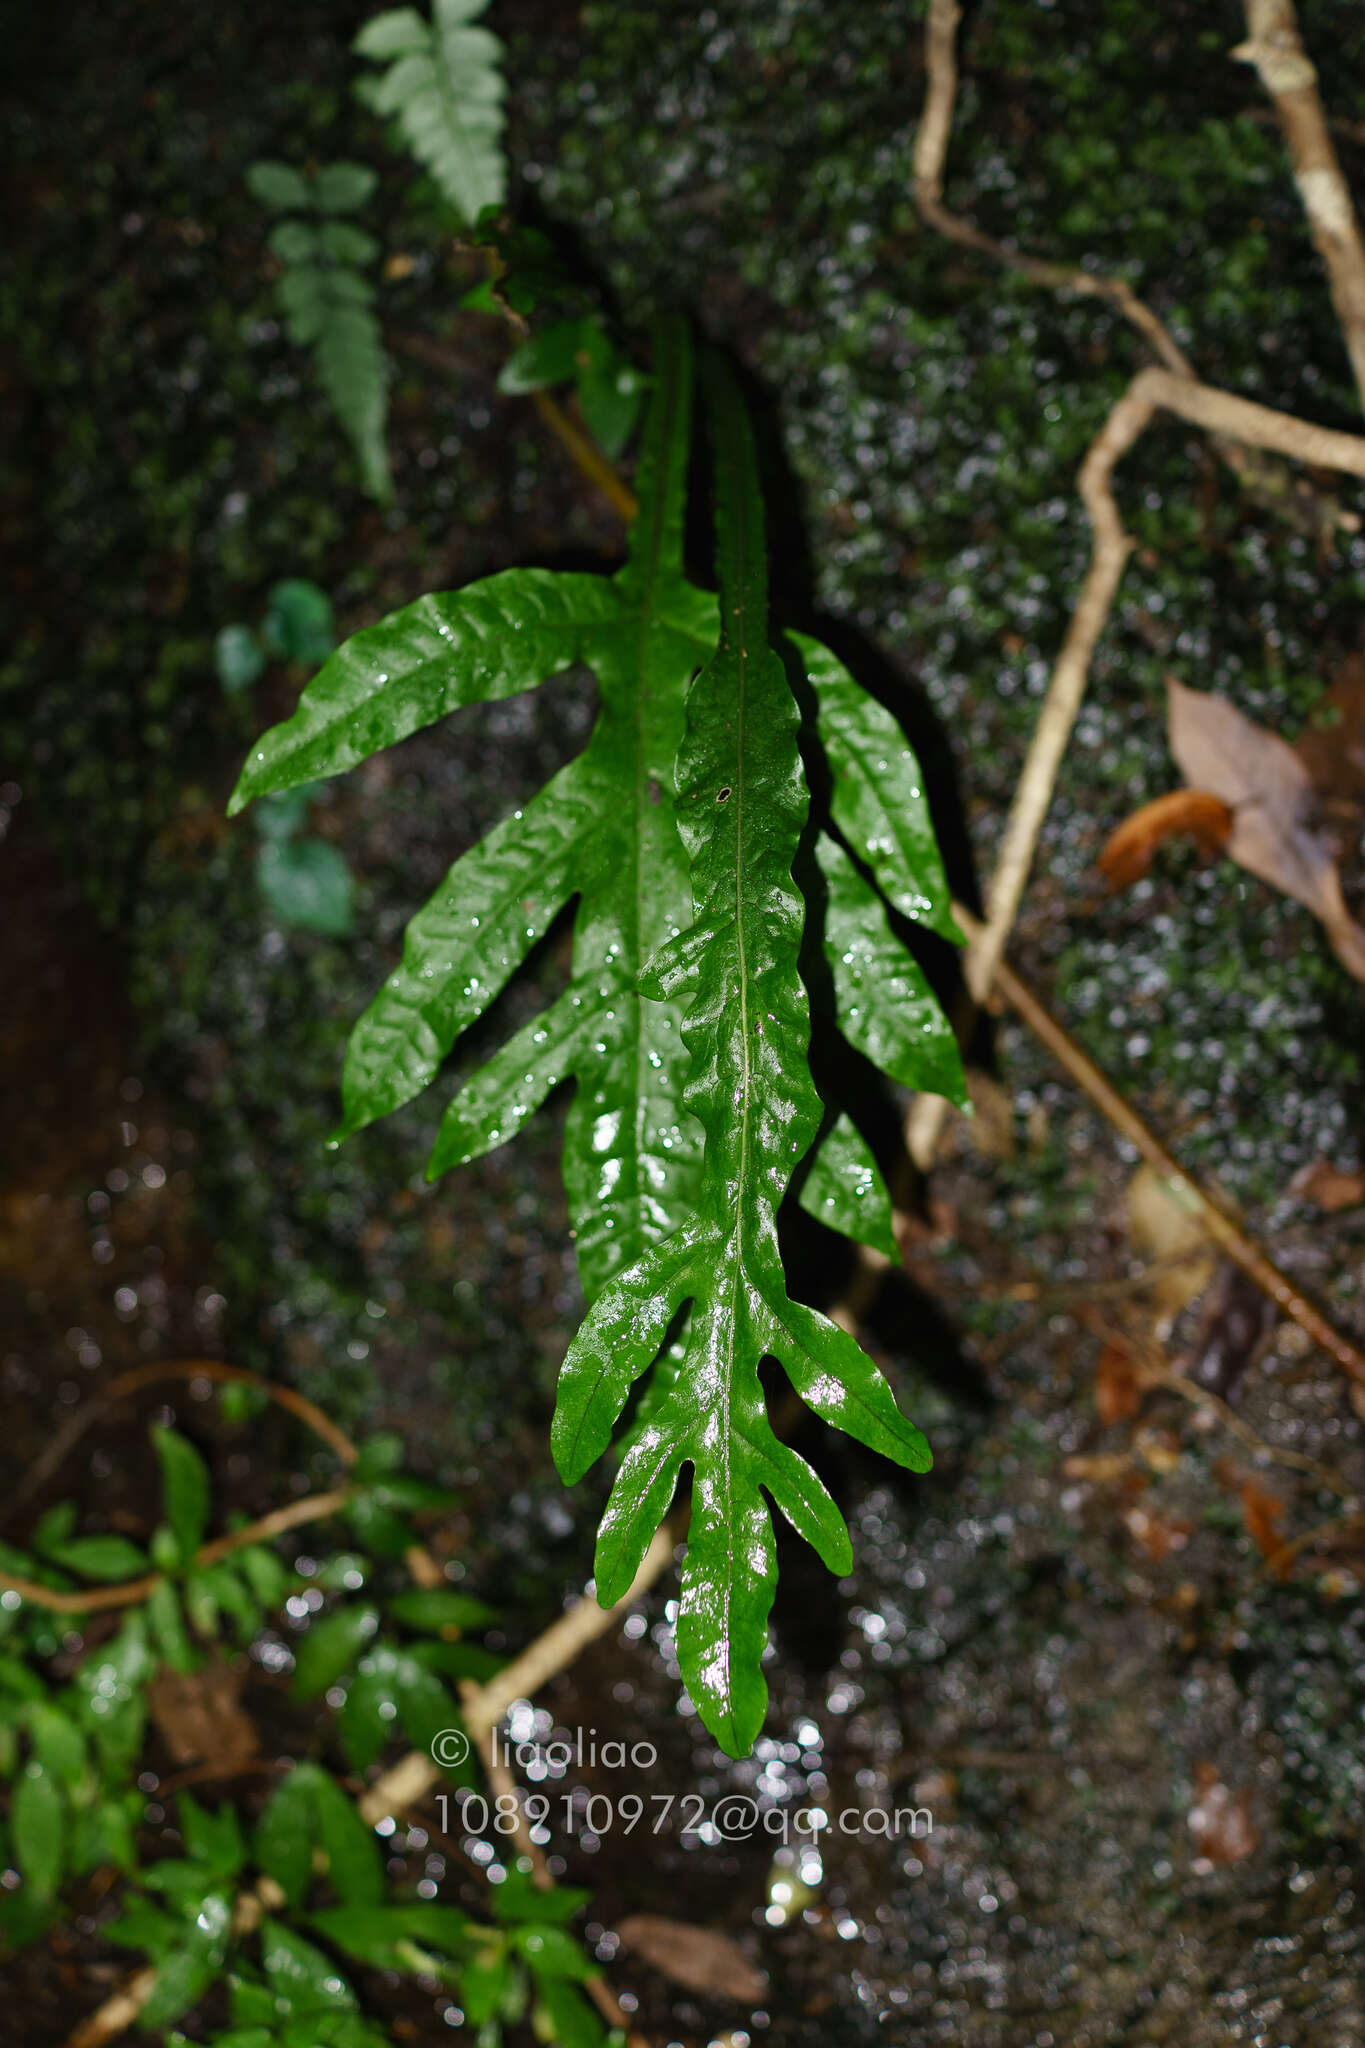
(1278, 1561)
(1157, 1370)
(588, 457)
(414, 1775)
(1228, 420)
(100, 1598)
(1240, 1248)
(582, 450)
(69, 1435)
(931, 149)
(1275, 47)
(118, 2012)
(1151, 391)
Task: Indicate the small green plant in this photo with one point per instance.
(298, 626)
(683, 832)
(609, 389)
(303, 880)
(280, 1903)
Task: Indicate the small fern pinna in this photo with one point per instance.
(685, 1023)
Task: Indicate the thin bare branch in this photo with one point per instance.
(413, 1776)
(98, 1599)
(582, 450)
(1151, 391)
(64, 1442)
(931, 149)
(1284, 68)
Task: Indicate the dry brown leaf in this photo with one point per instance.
(1277, 829)
(1118, 1389)
(1235, 1323)
(695, 1956)
(1127, 852)
(1220, 1819)
(1166, 1226)
(1263, 1514)
(1328, 1187)
(200, 1717)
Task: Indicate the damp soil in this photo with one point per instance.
(1051, 1642)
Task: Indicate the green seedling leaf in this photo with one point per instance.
(368, 1717)
(301, 1976)
(294, 241)
(346, 1571)
(308, 885)
(299, 624)
(343, 243)
(52, 1529)
(550, 357)
(237, 658)
(459, 1660)
(283, 1842)
(610, 401)
(486, 1984)
(106, 1558)
(226, 1587)
(355, 1869)
(285, 815)
(381, 1532)
(186, 1489)
(331, 1648)
(18, 1681)
(445, 90)
(110, 1687)
(145, 1926)
(572, 2022)
(434, 1608)
(268, 1579)
(186, 1973)
(214, 1840)
(408, 1495)
(111, 1834)
(380, 1454)
(518, 1898)
(58, 1744)
(375, 1934)
(550, 1952)
(37, 1821)
(167, 1625)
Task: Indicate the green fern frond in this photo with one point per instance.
(328, 302)
(685, 1021)
(445, 90)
